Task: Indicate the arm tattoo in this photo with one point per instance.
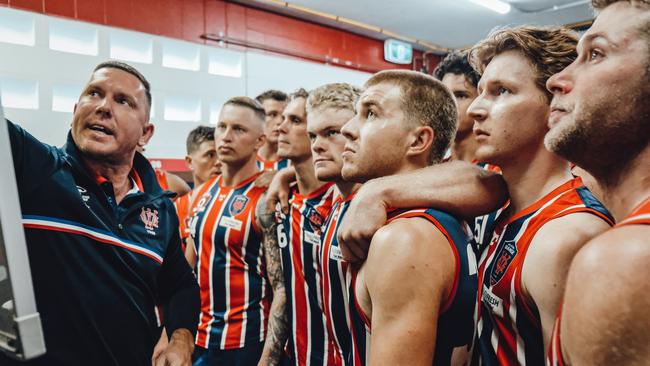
(278, 327)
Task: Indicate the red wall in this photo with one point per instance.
(188, 19)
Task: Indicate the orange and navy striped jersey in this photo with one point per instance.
(335, 295)
(182, 205)
(484, 225)
(554, 356)
(161, 177)
(272, 164)
(299, 235)
(509, 326)
(456, 324)
(230, 266)
(638, 216)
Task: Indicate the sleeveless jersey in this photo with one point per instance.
(335, 296)
(182, 205)
(161, 177)
(299, 235)
(230, 266)
(272, 164)
(456, 316)
(638, 216)
(509, 325)
(484, 225)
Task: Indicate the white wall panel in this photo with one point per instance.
(208, 77)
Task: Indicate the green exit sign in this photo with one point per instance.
(398, 52)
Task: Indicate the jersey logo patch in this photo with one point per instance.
(315, 220)
(150, 219)
(503, 259)
(238, 205)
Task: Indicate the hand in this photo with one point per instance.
(366, 214)
(160, 346)
(278, 191)
(265, 179)
(179, 350)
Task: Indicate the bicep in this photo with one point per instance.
(548, 259)
(408, 277)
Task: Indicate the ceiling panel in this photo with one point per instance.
(445, 23)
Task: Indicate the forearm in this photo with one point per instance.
(183, 308)
(457, 187)
(278, 329)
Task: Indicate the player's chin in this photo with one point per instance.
(328, 175)
(351, 173)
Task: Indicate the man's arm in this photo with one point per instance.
(278, 192)
(29, 156)
(179, 294)
(409, 274)
(547, 262)
(605, 313)
(177, 184)
(278, 327)
(460, 188)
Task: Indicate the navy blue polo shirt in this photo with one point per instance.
(99, 268)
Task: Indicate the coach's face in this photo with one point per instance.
(510, 111)
(327, 143)
(238, 136)
(293, 142)
(600, 109)
(376, 142)
(111, 117)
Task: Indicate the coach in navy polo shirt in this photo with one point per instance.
(102, 236)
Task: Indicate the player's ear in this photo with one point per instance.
(420, 141)
(260, 141)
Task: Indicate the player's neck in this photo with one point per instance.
(346, 188)
(269, 151)
(197, 181)
(233, 174)
(464, 148)
(306, 175)
(631, 188)
(531, 179)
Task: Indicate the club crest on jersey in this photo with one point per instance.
(238, 205)
(504, 257)
(150, 219)
(83, 193)
(315, 220)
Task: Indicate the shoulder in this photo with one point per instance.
(612, 326)
(618, 250)
(403, 255)
(555, 244)
(569, 231)
(406, 243)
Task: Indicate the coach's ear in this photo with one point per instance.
(420, 141)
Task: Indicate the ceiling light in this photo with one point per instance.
(498, 6)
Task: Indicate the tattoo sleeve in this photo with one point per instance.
(278, 326)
